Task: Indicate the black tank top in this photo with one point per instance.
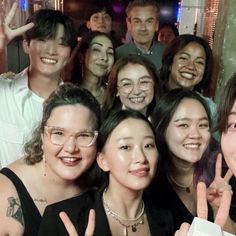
(32, 216)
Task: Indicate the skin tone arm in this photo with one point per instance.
(6, 33)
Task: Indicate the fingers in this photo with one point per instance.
(183, 230)
(228, 175)
(202, 209)
(68, 224)
(11, 14)
(23, 29)
(218, 167)
(91, 223)
(223, 211)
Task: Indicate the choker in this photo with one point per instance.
(119, 219)
(181, 186)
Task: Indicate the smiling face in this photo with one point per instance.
(130, 156)
(188, 67)
(99, 58)
(68, 162)
(142, 23)
(228, 140)
(187, 134)
(48, 56)
(137, 98)
(100, 21)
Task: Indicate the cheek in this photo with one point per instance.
(228, 144)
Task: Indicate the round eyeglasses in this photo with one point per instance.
(127, 85)
(58, 136)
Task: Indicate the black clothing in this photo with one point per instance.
(31, 214)
(162, 194)
(77, 208)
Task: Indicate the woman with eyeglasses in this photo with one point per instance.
(132, 84)
(58, 162)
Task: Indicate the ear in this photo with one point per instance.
(117, 94)
(128, 23)
(88, 24)
(157, 26)
(102, 162)
(26, 46)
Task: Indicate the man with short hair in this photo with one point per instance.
(142, 23)
(48, 42)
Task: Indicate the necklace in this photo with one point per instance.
(186, 188)
(118, 218)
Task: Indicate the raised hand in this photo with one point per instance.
(70, 227)
(6, 33)
(219, 192)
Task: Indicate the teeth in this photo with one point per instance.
(187, 75)
(137, 100)
(49, 61)
(192, 146)
(69, 159)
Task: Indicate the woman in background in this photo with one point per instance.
(92, 62)
(132, 84)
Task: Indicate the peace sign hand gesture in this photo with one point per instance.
(220, 192)
(71, 228)
(6, 33)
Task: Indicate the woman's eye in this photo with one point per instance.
(183, 125)
(58, 132)
(204, 125)
(201, 62)
(232, 126)
(125, 147)
(150, 145)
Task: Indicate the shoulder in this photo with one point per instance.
(11, 215)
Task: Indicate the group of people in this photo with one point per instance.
(122, 149)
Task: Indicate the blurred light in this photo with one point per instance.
(23, 4)
(165, 11)
(118, 8)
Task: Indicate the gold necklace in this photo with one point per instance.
(186, 188)
(118, 218)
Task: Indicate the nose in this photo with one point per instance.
(191, 65)
(139, 155)
(70, 145)
(104, 56)
(143, 25)
(136, 89)
(51, 47)
(194, 132)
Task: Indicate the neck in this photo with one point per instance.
(181, 176)
(42, 85)
(143, 47)
(128, 205)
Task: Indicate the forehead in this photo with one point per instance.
(101, 40)
(143, 12)
(194, 47)
(166, 29)
(133, 71)
(189, 108)
(127, 128)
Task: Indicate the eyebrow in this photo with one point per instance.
(188, 119)
(129, 138)
(232, 113)
(188, 54)
(100, 44)
(142, 77)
